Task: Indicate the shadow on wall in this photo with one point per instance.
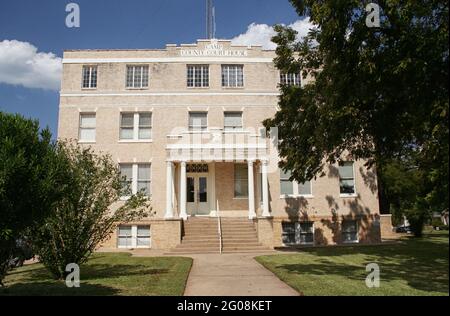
(370, 179)
(329, 230)
(297, 209)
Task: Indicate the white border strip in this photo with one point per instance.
(275, 94)
(167, 60)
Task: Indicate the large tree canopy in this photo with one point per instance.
(30, 180)
(376, 92)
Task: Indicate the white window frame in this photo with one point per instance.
(226, 67)
(134, 237)
(357, 231)
(290, 79)
(135, 180)
(348, 195)
(203, 83)
(295, 228)
(90, 68)
(136, 128)
(141, 83)
(80, 128)
(295, 190)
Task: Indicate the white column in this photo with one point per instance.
(251, 191)
(265, 190)
(183, 189)
(169, 176)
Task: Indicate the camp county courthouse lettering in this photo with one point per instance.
(184, 125)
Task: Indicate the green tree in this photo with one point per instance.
(29, 181)
(377, 93)
(89, 210)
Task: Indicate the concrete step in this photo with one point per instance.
(244, 248)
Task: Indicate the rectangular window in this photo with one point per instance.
(198, 76)
(294, 188)
(298, 233)
(233, 121)
(127, 126)
(305, 188)
(144, 179)
(89, 77)
(145, 126)
(349, 231)
(240, 180)
(125, 237)
(126, 172)
(232, 76)
(87, 127)
(134, 236)
(347, 178)
(137, 77)
(286, 185)
(136, 126)
(136, 178)
(290, 79)
(143, 236)
(198, 121)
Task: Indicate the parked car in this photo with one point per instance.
(403, 229)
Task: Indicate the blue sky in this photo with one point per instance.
(115, 24)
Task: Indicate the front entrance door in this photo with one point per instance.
(197, 194)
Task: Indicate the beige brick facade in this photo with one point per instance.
(170, 101)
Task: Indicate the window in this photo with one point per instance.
(137, 77)
(144, 179)
(134, 236)
(126, 171)
(125, 237)
(198, 121)
(233, 121)
(290, 79)
(347, 178)
(127, 126)
(136, 126)
(198, 76)
(87, 127)
(240, 180)
(136, 178)
(288, 187)
(143, 236)
(298, 233)
(305, 188)
(232, 76)
(349, 231)
(89, 77)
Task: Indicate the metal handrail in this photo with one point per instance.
(219, 228)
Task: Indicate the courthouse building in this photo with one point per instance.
(184, 124)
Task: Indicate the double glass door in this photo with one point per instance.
(197, 194)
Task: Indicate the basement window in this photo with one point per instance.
(134, 236)
(298, 233)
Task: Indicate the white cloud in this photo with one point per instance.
(22, 64)
(261, 34)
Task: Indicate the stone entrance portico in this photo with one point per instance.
(184, 188)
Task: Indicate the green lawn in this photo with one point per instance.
(413, 267)
(107, 274)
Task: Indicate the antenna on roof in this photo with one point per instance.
(210, 20)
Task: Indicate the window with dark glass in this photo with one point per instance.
(298, 233)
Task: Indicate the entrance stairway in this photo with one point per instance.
(201, 235)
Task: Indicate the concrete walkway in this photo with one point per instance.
(233, 275)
